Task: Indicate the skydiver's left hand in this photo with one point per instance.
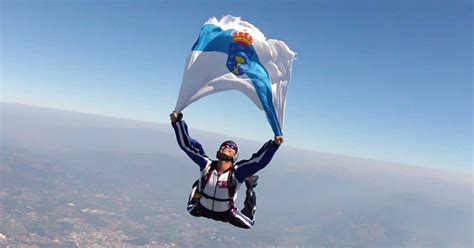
(278, 140)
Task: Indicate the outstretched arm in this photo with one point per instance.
(189, 145)
(258, 161)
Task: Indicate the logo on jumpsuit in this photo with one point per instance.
(222, 184)
(240, 52)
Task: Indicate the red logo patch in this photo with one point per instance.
(222, 184)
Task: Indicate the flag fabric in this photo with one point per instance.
(231, 54)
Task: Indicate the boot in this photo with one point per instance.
(251, 182)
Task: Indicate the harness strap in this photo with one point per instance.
(206, 175)
(233, 186)
(213, 198)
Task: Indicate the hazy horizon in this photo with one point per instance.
(167, 125)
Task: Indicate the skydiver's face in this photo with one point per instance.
(228, 150)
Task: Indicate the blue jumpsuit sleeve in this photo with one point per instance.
(189, 145)
(258, 161)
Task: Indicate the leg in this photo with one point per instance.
(250, 204)
(246, 217)
(237, 219)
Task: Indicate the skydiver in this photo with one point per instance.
(213, 194)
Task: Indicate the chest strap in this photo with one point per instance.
(213, 198)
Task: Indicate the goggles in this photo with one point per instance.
(231, 146)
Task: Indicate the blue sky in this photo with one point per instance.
(389, 80)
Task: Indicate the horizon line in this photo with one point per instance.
(246, 139)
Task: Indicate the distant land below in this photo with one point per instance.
(70, 179)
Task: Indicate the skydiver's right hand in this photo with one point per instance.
(175, 116)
